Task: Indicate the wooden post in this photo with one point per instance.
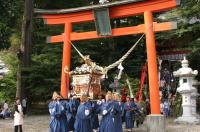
(66, 60)
(25, 48)
(152, 65)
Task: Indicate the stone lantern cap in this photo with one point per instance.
(185, 71)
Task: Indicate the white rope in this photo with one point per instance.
(106, 69)
(82, 56)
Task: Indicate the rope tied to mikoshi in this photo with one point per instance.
(106, 69)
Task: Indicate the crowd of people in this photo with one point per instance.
(85, 115)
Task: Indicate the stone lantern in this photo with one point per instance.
(186, 76)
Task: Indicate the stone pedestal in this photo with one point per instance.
(189, 93)
(156, 123)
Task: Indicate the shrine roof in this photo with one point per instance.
(85, 8)
(173, 55)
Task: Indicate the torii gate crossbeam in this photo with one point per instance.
(130, 8)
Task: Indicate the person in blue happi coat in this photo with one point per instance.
(166, 109)
(118, 115)
(63, 118)
(72, 107)
(129, 107)
(83, 119)
(58, 120)
(94, 115)
(108, 115)
(137, 113)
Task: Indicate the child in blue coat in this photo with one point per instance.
(128, 107)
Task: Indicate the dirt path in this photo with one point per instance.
(41, 123)
(31, 124)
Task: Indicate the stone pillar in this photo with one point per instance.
(186, 76)
(156, 123)
(194, 96)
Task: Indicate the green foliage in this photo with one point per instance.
(4, 35)
(60, 4)
(11, 11)
(187, 18)
(8, 83)
(10, 15)
(15, 40)
(194, 61)
(8, 87)
(44, 76)
(187, 34)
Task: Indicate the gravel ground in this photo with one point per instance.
(41, 123)
(31, 124)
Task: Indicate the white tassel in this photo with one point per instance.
(121, 68)
(130, 89)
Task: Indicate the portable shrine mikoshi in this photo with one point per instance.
(86, 80)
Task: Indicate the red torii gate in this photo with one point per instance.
(119, 9)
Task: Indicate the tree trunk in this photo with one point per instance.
(25, 48)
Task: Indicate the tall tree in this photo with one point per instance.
(25, 48)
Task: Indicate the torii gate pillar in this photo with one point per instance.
(152, 65)
(155, 121)
(66, 60)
